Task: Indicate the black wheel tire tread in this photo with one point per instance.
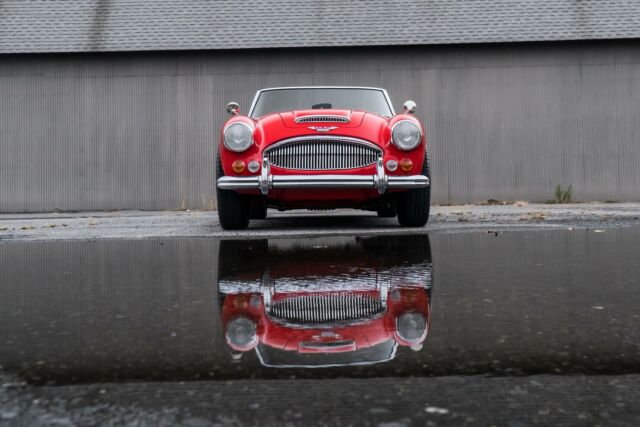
(233, 208)
(414, 205)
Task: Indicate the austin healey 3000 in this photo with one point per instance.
(322, 148)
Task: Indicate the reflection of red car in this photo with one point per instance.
(322, 147)
(301, 309)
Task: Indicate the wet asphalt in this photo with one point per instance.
(48, 226)
(522, 326)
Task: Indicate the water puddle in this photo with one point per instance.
(448, 304)
(321, 303)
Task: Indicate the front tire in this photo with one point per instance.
(414, 205)
(233, 208)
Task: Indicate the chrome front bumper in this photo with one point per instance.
(265, 181)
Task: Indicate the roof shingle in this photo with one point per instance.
(127, 25)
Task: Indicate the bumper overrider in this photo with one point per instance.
(266, 181)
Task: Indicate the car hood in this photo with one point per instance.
(278, 358)
(353, 123)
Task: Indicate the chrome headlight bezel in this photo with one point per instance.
(233, 327)
(406, 145)
(411, 336)
(247, 137)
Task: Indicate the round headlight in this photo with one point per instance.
(411, 326)
(406, 135)
(241, 332)
(238, 137)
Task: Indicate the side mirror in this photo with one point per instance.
(409, 107)
(233, 108)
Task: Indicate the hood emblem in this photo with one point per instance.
(323, 128)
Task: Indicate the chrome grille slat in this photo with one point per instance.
(322, 153)
(322, 119)
(317, 309)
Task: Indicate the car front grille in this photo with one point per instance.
(314, 309)
(322, 153)
(322, 119)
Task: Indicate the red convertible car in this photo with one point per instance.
(322, 148)
(325, 302)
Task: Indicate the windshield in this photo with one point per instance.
(278, 100)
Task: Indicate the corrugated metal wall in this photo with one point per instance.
(138, 130)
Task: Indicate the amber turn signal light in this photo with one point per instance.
(237, 166)
(406, 164)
